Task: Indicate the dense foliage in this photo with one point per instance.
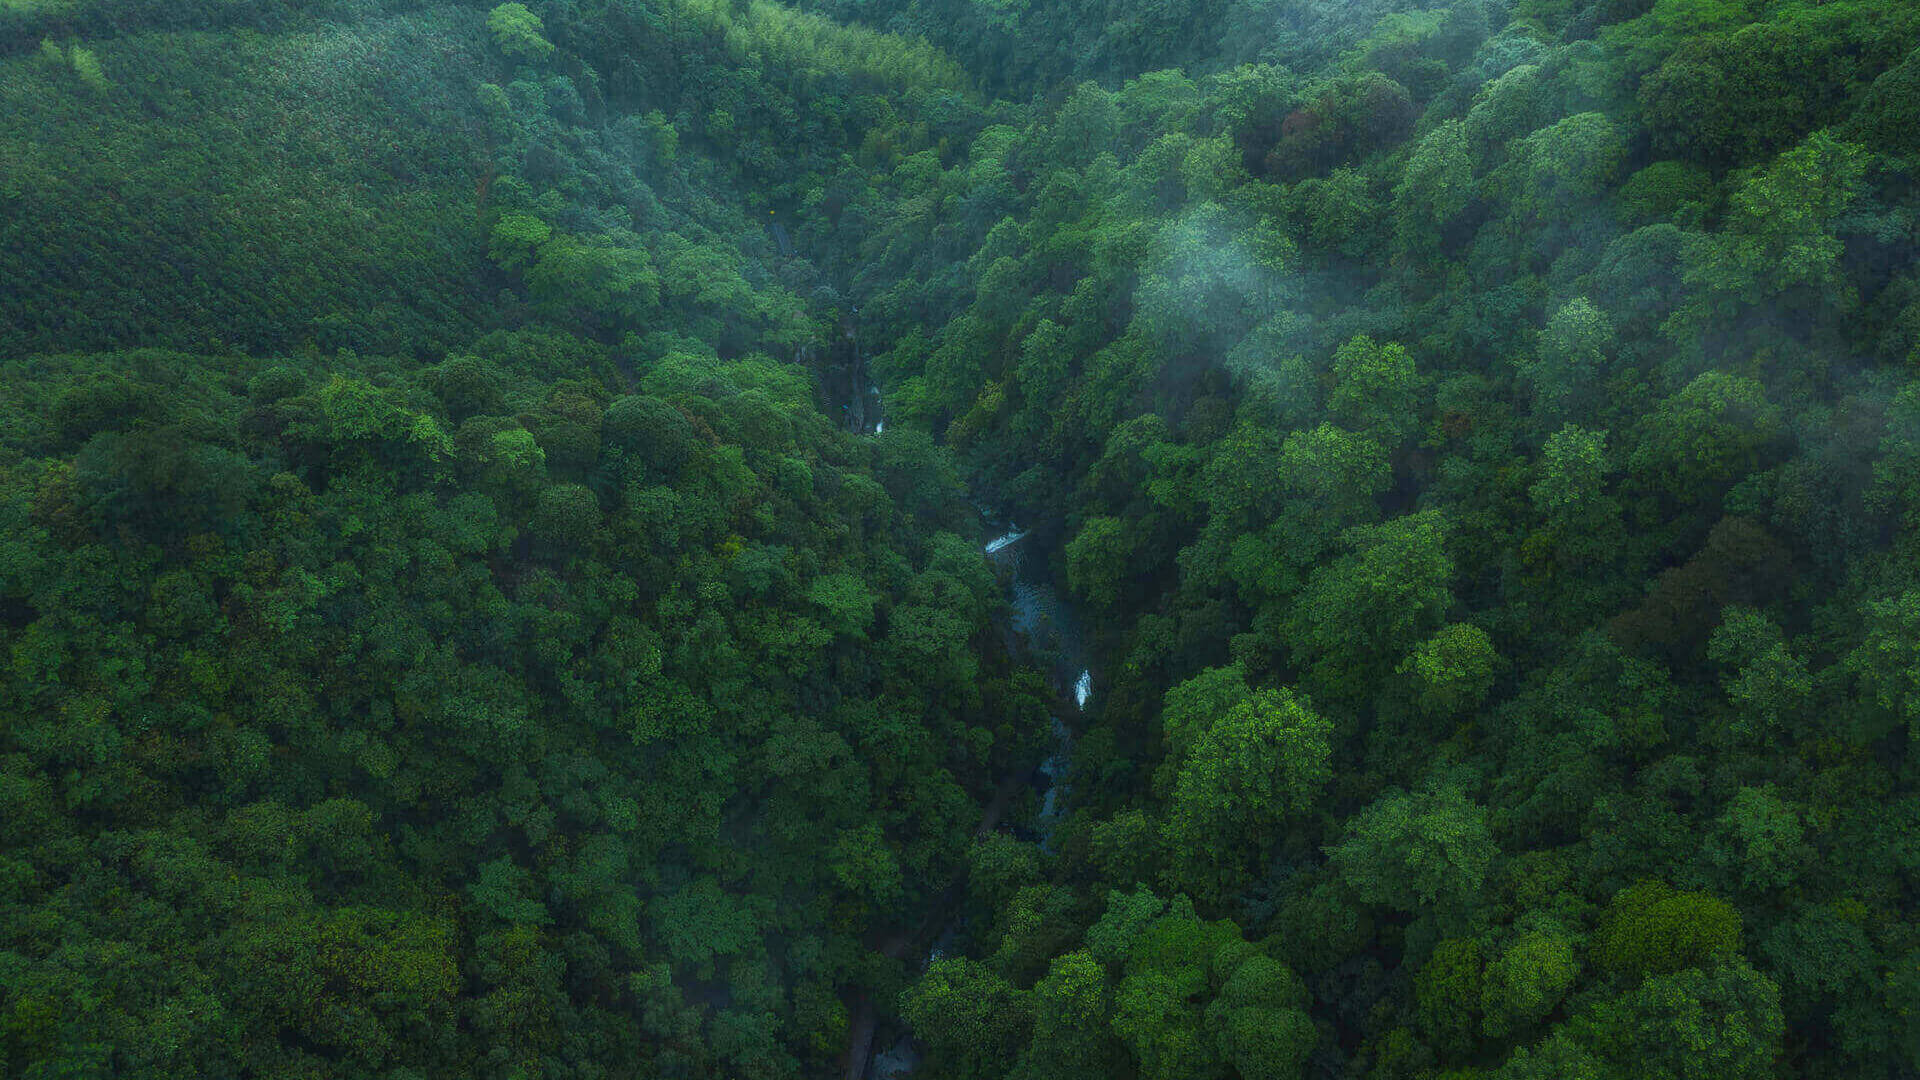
(458, 622)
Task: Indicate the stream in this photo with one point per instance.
(1044, 629)
(1047, 630)
(846, 387)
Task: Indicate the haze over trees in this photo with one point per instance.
(457, 622)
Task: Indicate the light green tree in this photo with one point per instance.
(1365, 610)
(1454, 669)
(1434, 189)
(1527, 980)
(519, 32)
(1376, 390)
(1779, 235)
(1422, 852)
(1261, 763)
(1574, 356)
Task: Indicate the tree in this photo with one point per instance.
(1128, 848)
(1418, 852)
(1887, 660)
(1366, 609)
(1557, 1057)
(1258, 765)
(1435, 188)
(517, 30)
(468, 387)
(1174, 959)
(1888, 118)
(1155, 1020)
(1720, 1022)
(1072, 1011)
(1583, 526)
(1709, 434)
(567, 516)
(1572, 483)
(1099, 560)
(1340, 213)
(1778, 238)
(1517, 102)
(1762, 839)
(1667, 191)
(1259, 1022)
(1376, 390)
(1043, 373)
(1189, 709)
(1764, 680)
(1241, 482)
(1351, 117)
(656, 433)
(1650, 927)
(605, 279)
(1454, 669)
(1574, 356)
(1331, 479)
(1727, 99)
(1448, 993)
(973, 1022)
(1086, 124)
(1560, 169)
(516, 237)
(1527, 980)
(845, 600)
(1902, 1003)
(699, 921)
(1210, 276)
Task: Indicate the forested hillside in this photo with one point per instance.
(465, 614)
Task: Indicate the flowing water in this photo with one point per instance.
(1048, 630)
(1045, 630)
(1013, 535)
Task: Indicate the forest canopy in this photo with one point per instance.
(507, 562)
